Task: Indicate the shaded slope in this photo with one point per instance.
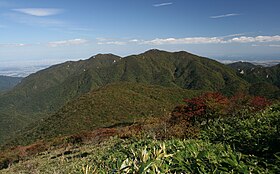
(256, 74)
(264, 81)
(246, 66)
(115, 104)
(46, 91)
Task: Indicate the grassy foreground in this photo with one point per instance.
(246, 142)
(141, 156)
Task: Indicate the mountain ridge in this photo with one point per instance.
(264, 81)
(43, 93)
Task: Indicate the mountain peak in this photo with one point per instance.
(155, 51)
(104, 56)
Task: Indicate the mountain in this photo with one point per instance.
(264, 81)
(113, 105)
(45, 92)
(7, 83)
(245, 66)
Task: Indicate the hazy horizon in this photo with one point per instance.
(15, 69)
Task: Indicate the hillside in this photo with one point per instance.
(180, 69)
(265, 81)
(256, 74)
(218, 148)
(110, 106)
(45, 92)
(60, 83)
(7, 83)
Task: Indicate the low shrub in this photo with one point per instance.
(256, 134)
(172, 156)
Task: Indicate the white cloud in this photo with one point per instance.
(134, 40)
(12, 45)
(232, 35)
(242, 39)
(163, 4)
(67, 42)
(34, 20)
(39, 11)
(268, 38)
(225, 15)
(233, 38)
(112, 43)
(108, 41)
(190, 40)
(212, 40)
(245, 39)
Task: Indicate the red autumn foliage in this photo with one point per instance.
(241, 102)
(238, 102)
(202, 108)
(213, 105)
(216, 103)
(259, 103)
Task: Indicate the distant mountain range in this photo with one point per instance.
(264, 81)
(24, 71)
(106, 89)
(264, 63)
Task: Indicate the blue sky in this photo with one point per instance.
(50, 31)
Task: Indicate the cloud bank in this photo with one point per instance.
(213, 40)
(190, 40)
(245, 39)
(271, 41)
(234, 38)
